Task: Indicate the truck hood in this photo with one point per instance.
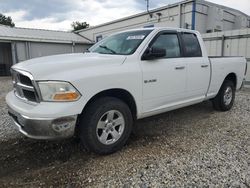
(49, 66)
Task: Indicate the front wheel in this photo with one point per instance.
(225, 98)
(106, 125)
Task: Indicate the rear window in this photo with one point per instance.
(191, 45)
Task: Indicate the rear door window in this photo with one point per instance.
(191, 45)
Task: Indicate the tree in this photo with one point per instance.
(79, 25)
(4, 20)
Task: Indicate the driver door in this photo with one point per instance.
(164, 79)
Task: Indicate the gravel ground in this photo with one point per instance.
(190, 147)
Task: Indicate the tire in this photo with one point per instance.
(225, 98)
(105, 126)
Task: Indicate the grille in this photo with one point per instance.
(24, 87)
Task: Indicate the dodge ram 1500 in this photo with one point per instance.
(130, 75)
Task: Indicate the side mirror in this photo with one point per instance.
(153, 53)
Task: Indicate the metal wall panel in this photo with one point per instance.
(20, 51)
(28, 50)
(236, 43)
(45, 49)
(80, 48)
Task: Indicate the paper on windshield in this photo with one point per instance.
(135, 37)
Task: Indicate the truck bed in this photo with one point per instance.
(221, 67)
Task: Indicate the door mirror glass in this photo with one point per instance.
(154, 53)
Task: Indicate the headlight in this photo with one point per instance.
(58, 91)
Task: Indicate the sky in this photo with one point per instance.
(59, 14)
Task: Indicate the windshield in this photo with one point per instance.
(122, 43)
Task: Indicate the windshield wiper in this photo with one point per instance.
(107, 48)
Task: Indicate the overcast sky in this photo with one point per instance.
(59, 14)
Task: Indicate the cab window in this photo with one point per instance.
(170, 43)
(191, 45)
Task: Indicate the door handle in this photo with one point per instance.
(180, 68)
(204, 66)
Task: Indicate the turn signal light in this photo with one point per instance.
(71, 96)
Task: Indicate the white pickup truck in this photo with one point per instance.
(127, 76)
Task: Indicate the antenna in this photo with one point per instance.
(150, 14)
(147, 5)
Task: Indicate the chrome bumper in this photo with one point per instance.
(44, 128)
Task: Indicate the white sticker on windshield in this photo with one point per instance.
(135, 37)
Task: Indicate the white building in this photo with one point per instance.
(200, 15)
(19, 44)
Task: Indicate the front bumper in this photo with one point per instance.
(44, 128)
(37, 122)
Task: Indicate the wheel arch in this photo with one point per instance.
(232, 77)
(121, 94)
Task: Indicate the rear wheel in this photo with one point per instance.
(106, 125)
(225, 98)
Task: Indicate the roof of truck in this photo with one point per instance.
(163, 28)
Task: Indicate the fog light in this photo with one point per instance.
(60, 128)
(63, 124)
